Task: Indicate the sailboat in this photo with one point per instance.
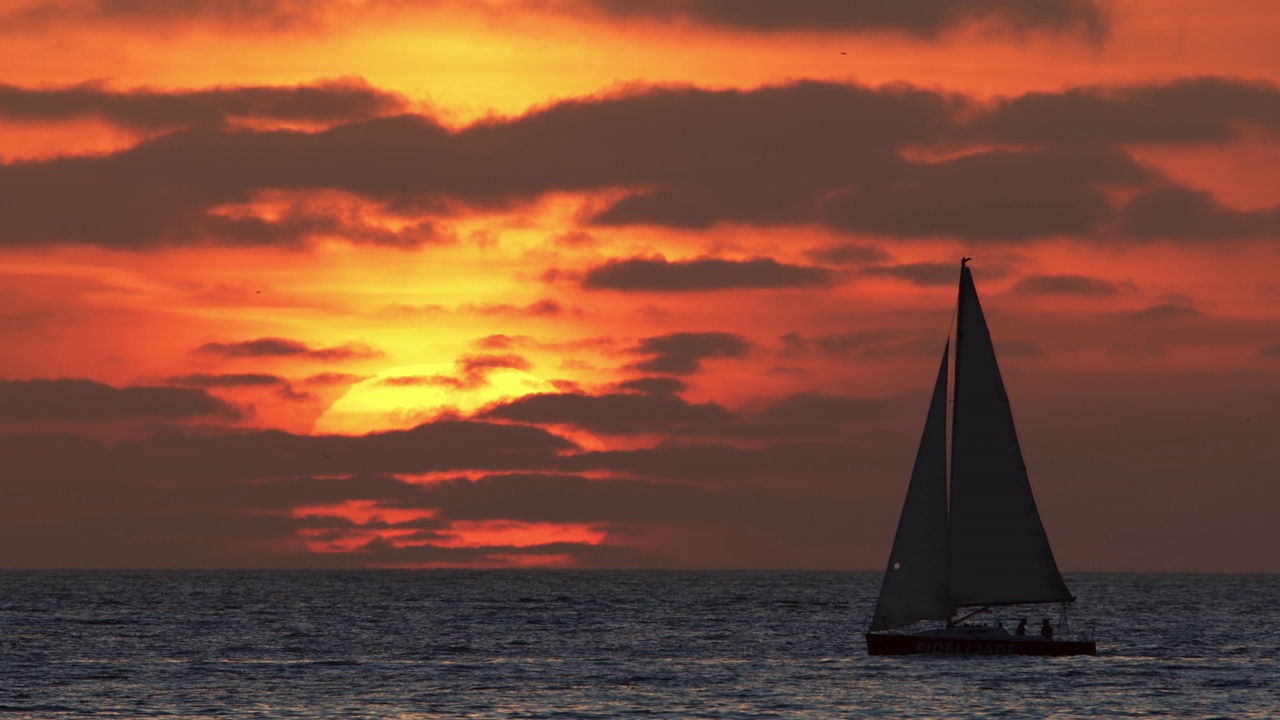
(982, 547)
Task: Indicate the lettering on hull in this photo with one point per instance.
(925, 645)
(962, 648)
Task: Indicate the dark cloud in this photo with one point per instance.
(1017, 348)
(299, 225)
(481, 364)
(1070, 285)
(194, 500)
(163, 190)
(326, 379)
(803, 153)
(500, 342)
(1270, 351)
(417, 380)
(256, 15)
(546, 307)
(787, 371)
(812, 415)
(764, 141)
(993, 195)
(225, 500)
(1165, 311)
(683, 353)
(560, 498)
(656, 274)
(1169, 322)
(287, 393)
(73, 399)
(96, 521)
(686, 208)
(1181, 213)
(820, 461)
(25, 320)
(622, 506)
(326, 101)
(801, 415)
(1189, 110)
(471, 371)
(850, 254)
(205, 380)
(614, 413)
(918, 273)
(284, 347)
(869, 345)
(654, 385)
(444, 445)
(923, 18)
(708, 156)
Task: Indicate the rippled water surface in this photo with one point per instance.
(601, 645)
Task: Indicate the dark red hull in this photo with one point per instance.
(888, 644)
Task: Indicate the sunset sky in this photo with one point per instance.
(616, 283)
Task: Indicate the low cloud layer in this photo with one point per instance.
(657, 274)
(75, 399)
(925, 18)
(1081, 285)
(683, 353)
(146, 109)
(800, 154)
(271, 347)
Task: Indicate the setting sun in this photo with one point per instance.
(620, 284)
(406, 396)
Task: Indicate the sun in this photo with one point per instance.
(408, 395)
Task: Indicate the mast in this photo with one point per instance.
(999, 552)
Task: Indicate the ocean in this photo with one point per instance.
(603, 644)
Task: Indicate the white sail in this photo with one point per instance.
(916, 581)
(999, 551)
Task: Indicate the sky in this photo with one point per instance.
(609, 284)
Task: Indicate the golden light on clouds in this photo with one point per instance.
(405, 396)
(588, 284)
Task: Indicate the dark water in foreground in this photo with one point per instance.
(601, 645)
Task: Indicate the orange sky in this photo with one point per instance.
(595, 284)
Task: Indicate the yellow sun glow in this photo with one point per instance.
(405, 396)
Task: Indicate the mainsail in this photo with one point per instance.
(989, 547)
(999, 552)
(915, 583)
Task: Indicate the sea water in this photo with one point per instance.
(548, 644)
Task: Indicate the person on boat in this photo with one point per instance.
(1046, 630)
(1022, 627)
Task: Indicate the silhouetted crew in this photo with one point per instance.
(1022, 628)
(1046, 630)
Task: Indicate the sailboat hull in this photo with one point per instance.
(935, 644)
